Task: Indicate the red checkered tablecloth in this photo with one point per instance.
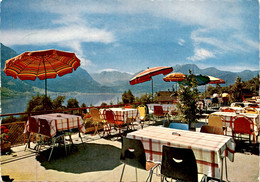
(209, 149)
(123, 113)
(59, 122)
(228, 120)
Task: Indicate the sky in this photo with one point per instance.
(131, 35)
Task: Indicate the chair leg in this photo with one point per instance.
(226, 168)
(52, 149)
(122, 173)
(136, 175)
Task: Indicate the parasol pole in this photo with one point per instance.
(152, 89)
(45, 100)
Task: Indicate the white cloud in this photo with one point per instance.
(201, 54)
(109, 70)
(56, 35)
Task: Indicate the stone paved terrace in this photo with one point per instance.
(99, 161)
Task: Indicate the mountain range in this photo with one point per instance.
(81, 81)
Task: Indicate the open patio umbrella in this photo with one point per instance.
(147, 74)
(41, 64)
(214, 80)
(174, 77)
(202, 79)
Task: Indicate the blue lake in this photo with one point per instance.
(19, 104)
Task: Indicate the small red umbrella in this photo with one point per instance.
(41, 64)
(147, 74)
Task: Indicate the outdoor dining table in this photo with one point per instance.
(237, 109)
(58, 123)
(209, 149)
(228, 120)
(123, 114)
(166, 107)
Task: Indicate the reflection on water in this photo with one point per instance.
(19, 104)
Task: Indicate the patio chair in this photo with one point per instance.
(159, 113)
(227, 109)
(143, 114)
(215, 120)
(179, 164)
(251, 110)
(96, 118)
(111, 120)
(242, 125)
(180, 126)
(33, 128)
(254, 105)
(212, 129)
(133, 154)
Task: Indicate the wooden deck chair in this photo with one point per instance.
(212, 129)
(96, 118)
(133, 154)
(216, 120)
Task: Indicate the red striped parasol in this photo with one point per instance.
(147, 74)
(41, 64)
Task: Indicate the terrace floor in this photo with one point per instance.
(98, 160)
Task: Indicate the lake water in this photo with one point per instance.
(19, 104)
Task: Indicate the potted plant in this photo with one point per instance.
(188, 97)
(5, 143)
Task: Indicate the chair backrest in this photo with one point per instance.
(181, 126)
(212, 129)
(109, 116)
(95, 115)
(33, 125)
(142, 110)
(215, 120)
(227, 109)
(251, 110)
(179, 163)
(133, 153)
(44, 127)
(242, 124)
(158, 110)
(254, 105)
(128, 106)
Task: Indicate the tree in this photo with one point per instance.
(57, 103)
(188, 96)
(144, 99)
(83, 105)
(37, 104)
(237, 90)
(128, 97)
(72, 103)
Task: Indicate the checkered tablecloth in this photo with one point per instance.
(59, 122)
(209, 149)
(228, 120)
(123, 113)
